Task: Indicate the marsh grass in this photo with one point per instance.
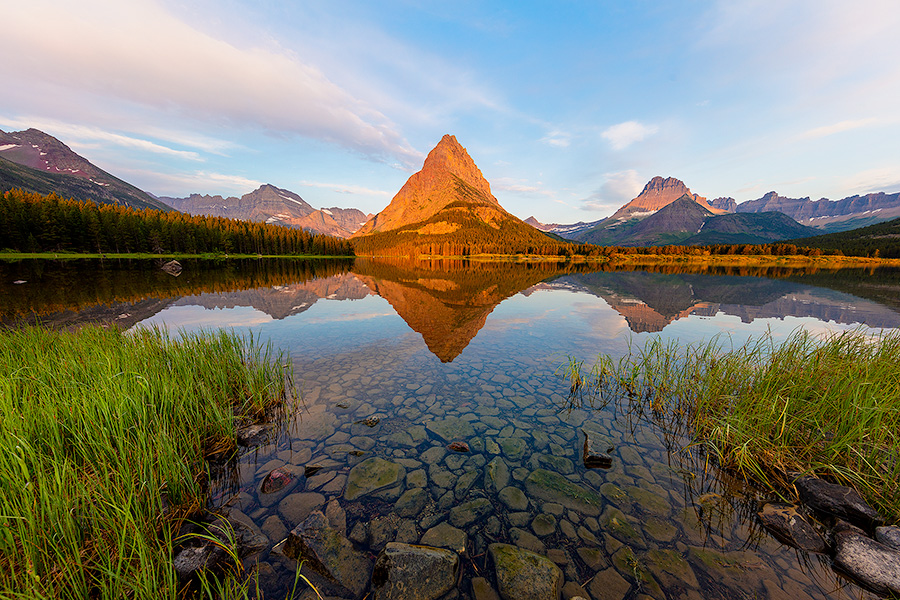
(103, 436)
(827, 405)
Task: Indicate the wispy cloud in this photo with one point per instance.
(201, 182)
(840, 127)
(106, 48)
(619, 188)
(880, 179)
(557, 139)
(75, 135)
(624, 134)
(344, 188)
(521, 186)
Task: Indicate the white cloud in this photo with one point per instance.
(75, 135)
(827, 130)
(558, 139)
(881, 179)
(624, 134)
(201, 182)
(618, 189)
(138, 52)
(344, 188)
(521, 186)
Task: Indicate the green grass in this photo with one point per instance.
(103, 436)
(825, 405)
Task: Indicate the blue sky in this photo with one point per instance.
(568, 108)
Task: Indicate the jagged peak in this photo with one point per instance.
(659, 183)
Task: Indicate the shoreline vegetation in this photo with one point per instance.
(104, 437)
(823, 405)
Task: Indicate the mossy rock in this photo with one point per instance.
(631, 566)
(649, 502)
(553, 487)
(372, 474)
(524, 575)
(513, 447)
(671, 569)
(620, 527)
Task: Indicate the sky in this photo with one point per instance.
(567, 107)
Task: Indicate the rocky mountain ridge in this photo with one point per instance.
(658, 193)
(37, 162)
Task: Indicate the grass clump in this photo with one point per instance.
(827, 405)
(102, 442)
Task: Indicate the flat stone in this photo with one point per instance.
(889, 536)
(513, 447)
(372, 474)
(433, 455)
(274, 529)
(470, 512)
(411, 502)
(445, 535)
(496, 475)
(594, 558)
(791, 527)
(526, 540)
(336, 516)
(465, 483)
(553, 487)
(450, 429)
(661, 530)
(556, 463)
(403, 571)
(295, 508)
(648, 501)
(417, 478)
(670, 568)
(482, 589)
(626, 561)
(619, 526)
(513, 498)
(543, 525)
(595, 452)
(329, 553)
(524, 575)
(573, 591)
(609, 585)
(872, 563)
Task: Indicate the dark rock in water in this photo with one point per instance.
(838, 500)
(253, 435)
(524, 575)
(553, 487)
(193, 559)
(791, 527)
(329, 553)
(311, 470)
(458, 446)
(872, 563)
(403, 571)
(596, 452)
(248, 537)
(173, 268)
(889, 536)
(274, 481)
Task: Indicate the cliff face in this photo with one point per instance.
(726, 204)
(658, 193)
(434, 187)
(804, 209)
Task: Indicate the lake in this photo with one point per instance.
(395, 360)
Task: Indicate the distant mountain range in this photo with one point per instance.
(651, 219)
(274, 205)
(447, 208)
(36, 162)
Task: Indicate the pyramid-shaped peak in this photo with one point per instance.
(660, 184)
(449, 155)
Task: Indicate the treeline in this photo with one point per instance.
(772, 249)
(35, 223)
(879, 240)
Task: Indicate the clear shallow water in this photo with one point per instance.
(478, 346)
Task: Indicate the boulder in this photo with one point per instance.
(373, 474)
(838, 500)
(870, 562)
(596, 451)
(524, 575)
(553, 487)
(791, 527)
(405, 571)
(329, 554)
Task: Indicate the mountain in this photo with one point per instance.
(657, 194)
(271, 204)
(726, 204)
(689, 223)
(564, 231)
(36, 162)
(447, 208)
(881, 239)
(840, 215)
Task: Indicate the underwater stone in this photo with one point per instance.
(596, 450)
(404, 571)
(543, 525)
(433, 455)
(524, 539)
(513, 447)
(556, 463)
(450, 429)
(594, 558)
(609, 584)
(411, 502)
(670, 568)
(513, 498)
(297, 507)
(482, 589)
(648, 501)
(465, 483)
(553, 487)
(445, 535)
(524, 575)
(470, 512)
(790, 526)
(417, 478)
(372, 474)
(496, 475)
(616, 523)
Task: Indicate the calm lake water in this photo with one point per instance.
(433, 352)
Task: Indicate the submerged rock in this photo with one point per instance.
(329, 553)
(872, 563)
(451, 428)
(446, 535)
(405, 571)
(373, 474)
(838, 500)
(458, 446)
(469, 512)
(496, 475)
(791, 527)
(524, 575)
(274, 481)
(596, 451)
(253, 435)
(553, 487)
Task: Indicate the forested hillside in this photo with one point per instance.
(35, 223)
(881, 239)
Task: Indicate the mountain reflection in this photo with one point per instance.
(448, 301)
